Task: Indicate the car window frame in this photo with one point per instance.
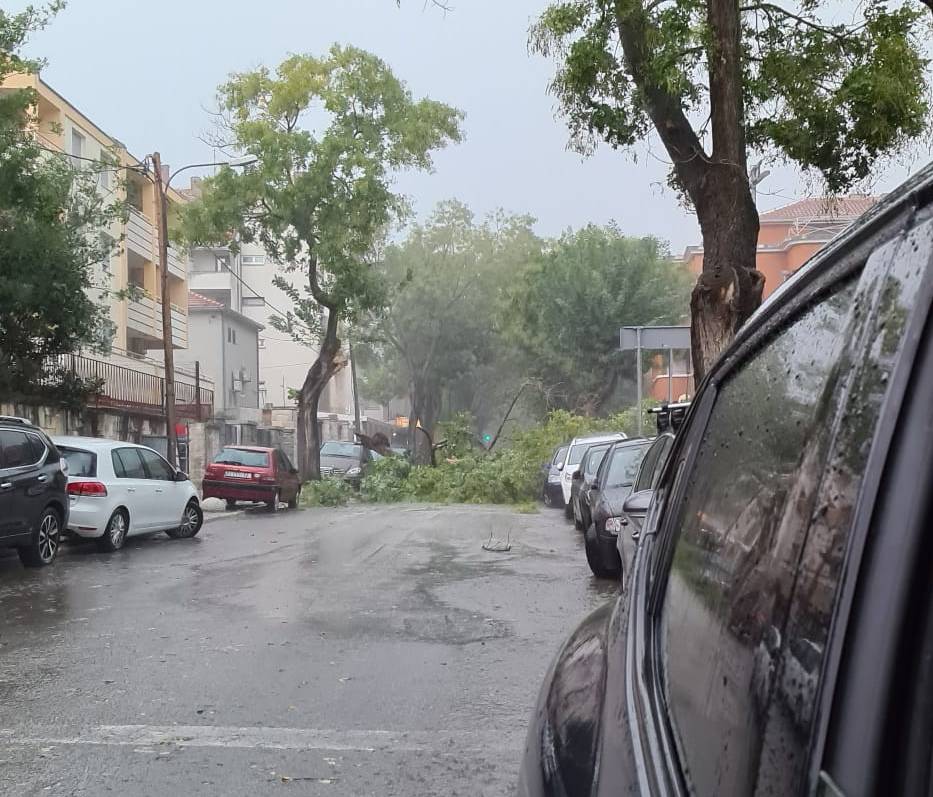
(775, 319)
(114, 452)
(142, 451)
(15, 469)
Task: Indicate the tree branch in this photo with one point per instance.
(767, 8)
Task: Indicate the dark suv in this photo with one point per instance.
(776, 633)
(33, 492)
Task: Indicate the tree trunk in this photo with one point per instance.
(328, 362)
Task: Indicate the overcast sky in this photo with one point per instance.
(146, 73)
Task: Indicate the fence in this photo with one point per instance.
(119, 387)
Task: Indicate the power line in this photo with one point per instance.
(264, 299)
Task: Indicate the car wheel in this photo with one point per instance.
(274, 503)
(114, 532)
(191, 521)
(231, 505)
(293, 504)
(548, 501)
(43, 547)
(603, 559)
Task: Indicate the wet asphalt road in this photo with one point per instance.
(355, 651)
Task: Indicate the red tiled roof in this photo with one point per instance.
(199, 301)
(822, 209)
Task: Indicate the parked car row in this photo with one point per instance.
(774, 631)
(109, 490)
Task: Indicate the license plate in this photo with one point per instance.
(237, 474)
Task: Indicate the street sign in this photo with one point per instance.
(654, 338)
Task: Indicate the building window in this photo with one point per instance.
(231, 335)
(262, 343)
(103, 177)
(77, 148)
(253, 260)
(222, 263)
(254, 301)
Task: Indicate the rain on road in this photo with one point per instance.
(355, 651)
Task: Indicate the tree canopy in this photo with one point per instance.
(566, 310)
(715, 79)
(329, 134)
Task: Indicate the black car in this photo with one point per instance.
(33, 492)
(551, 491)
(346, 460)
(613, 484)
(582, 483)
(776, 632)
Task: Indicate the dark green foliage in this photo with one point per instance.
(326, 492)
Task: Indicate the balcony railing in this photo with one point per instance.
(118, 387)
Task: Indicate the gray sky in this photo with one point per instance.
(146, 73)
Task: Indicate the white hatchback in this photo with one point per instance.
(575, 451)
(117, 489)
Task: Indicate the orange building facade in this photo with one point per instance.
(790, 235)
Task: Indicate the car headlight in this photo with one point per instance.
(614, 525)
(356, 471)
(553, 478)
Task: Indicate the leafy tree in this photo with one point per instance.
(438, 327)
(329, 134)
(567, 308)
(52, 220)
(717, 78)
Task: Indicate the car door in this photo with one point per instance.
(764, 489)
(170, 495)
(17, 481)
(290, 480)
(141, 499)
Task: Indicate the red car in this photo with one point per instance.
(250, 473)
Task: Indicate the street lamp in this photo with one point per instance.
(162, 235)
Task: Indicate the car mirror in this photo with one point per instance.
(181, 476)
(637, 502)
(577, 476)
(560, 465)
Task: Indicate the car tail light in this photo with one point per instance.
(90, 489)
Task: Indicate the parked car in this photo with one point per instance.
(582, 483)
(822, 405)
(613, 484)
(635, 506)
(575, 452)
(33, 494)
(346, 460)
(252, 473)
(551, 490)
(118, 489)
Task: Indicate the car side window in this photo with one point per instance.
(37, 446)
(649, 466)
(734, 560)
(127, 463)
(16, 449)
(157, 467)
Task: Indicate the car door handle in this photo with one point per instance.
(131, 489)
(158, 489)
(6, 486)
(42, 478)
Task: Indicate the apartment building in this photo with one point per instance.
(132, 374)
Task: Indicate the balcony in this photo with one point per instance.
(141, 239)
(119, 387)
(144, 318)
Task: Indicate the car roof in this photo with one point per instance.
(257, 449)
(75, 441)
(597, 438)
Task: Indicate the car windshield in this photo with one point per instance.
(335, 448)
(242, 457)
(623, 467)
(80, 462)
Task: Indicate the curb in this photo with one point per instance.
(209, 517)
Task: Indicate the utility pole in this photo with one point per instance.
(161, 206)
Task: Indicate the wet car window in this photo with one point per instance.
(80, 463)
(334, 449)
(649, 465)
(157, 467)
(733, 564)
(624, 465)
(246, 459)
(15, 450)
(593, 459)
(127, 463)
